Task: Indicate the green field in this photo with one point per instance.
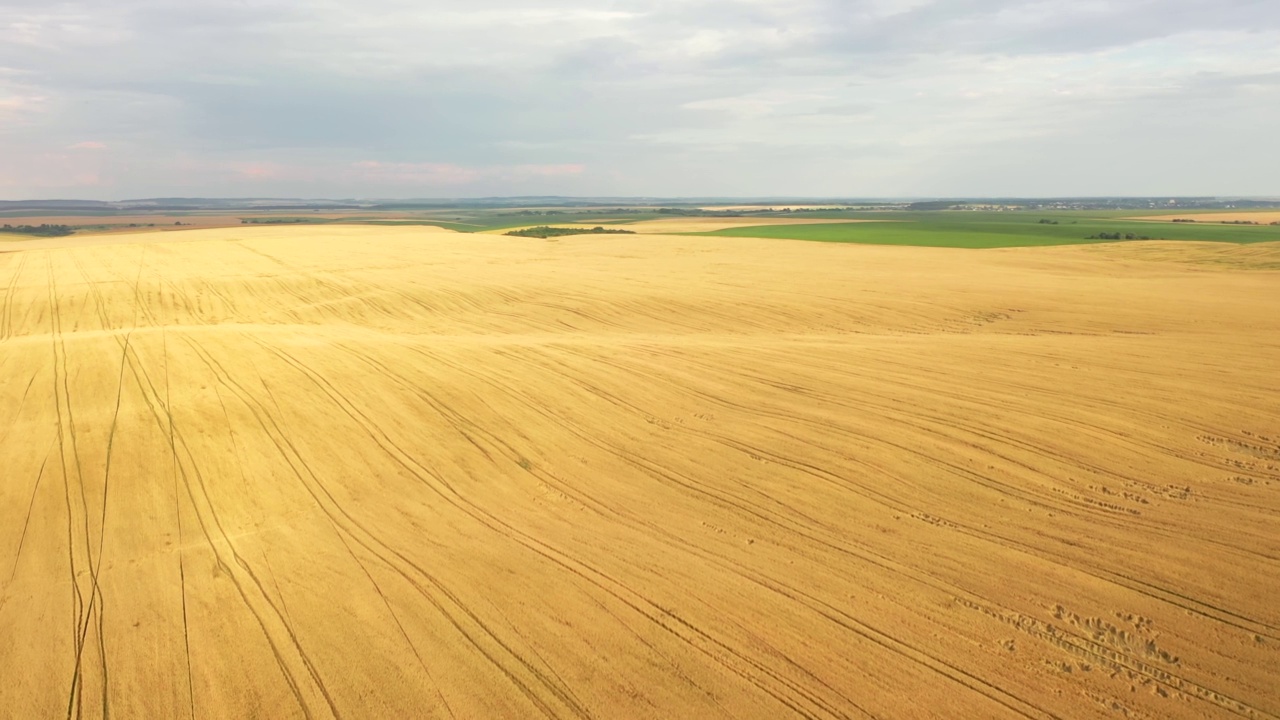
(994, 230)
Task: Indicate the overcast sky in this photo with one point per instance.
(112, 99)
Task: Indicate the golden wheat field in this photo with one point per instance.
(402, 472)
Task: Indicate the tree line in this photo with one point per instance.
(1118, 236)
(549, 232)
(42, 230)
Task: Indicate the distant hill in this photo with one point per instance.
(13, 207)
(55, 205)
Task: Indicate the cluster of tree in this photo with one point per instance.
(38, 230)
(1045, 221)
(549, 232)
(278, 221)
(1117, 236)
(1183, 220)
(533, 212)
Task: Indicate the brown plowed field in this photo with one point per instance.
(399, 472)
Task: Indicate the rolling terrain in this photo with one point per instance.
(341, 471)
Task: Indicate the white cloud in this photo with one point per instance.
(654, 96)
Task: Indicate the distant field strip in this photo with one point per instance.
(1025, 231)
(1259, 216)
(399, 472)
(699, 224)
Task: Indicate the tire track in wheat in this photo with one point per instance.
(6, 329)
(587, 572)
(637, 411)
(75, 516)
(162, 415)
(1183, 601)
(177, 514)
(264, 611)
(342, 521)
(1171, 680)
(654, 530)
(97, 600)
(735, 504)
